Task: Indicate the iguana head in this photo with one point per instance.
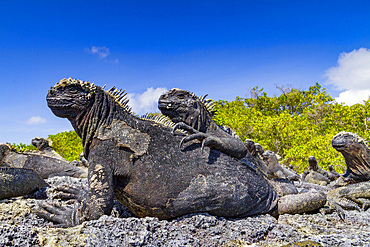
(312, 163)
(348, 142)
(184, 106)
(69, 97)
(41, 143)
(270, 158)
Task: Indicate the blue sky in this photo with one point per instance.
(222, 48)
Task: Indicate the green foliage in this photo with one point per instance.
(68, 144)
(295, 124)
(23, 147)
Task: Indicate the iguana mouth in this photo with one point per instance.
(57, 103)
(166, 105)
(339, 145)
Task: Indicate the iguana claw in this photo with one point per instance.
(55, 212)
(199, 135)
(184, 126)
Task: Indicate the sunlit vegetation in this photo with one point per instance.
(295, 124)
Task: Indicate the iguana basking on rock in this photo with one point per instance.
(16, 182)
(194, 114)
(315, 174)
(44, 161)
(350, 197)
(139, 163)
(356, 154)
(277, 170)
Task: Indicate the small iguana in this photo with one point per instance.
(194, 114)
(315, 174)
(277, 170)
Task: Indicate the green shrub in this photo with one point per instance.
(23, 147)
(68, 144)
(295, 124)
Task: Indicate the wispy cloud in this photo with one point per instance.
(101, 52)
(147, 101)
(35, 120)
(352, 75)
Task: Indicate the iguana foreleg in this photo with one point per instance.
(100, 198)
(230, 146)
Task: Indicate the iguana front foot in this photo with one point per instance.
(332, 206)
(184, 126)
(66, 192)
(62, 215)
(199, 136)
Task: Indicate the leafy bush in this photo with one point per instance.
(68, 144)
(295, 124)
(23, 147)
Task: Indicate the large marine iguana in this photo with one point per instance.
(356, 154)
(194, 114)
(139, 163)
(44, 161)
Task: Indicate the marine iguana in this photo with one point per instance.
(356, 154)
(194, 114)
(315, 174)
(45, 161)
(16, 182)
(139, 163)
(276, 169)
(350, 197)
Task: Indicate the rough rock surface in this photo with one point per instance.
(20, 227)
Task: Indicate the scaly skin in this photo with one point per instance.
(139, 163)
(191, 114)
(350, 197)
(45, 161)
(19, 182)
(356, 154)
(276, 169)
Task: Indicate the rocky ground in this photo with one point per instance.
(20, 227)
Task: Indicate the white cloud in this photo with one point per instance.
(352, 74)
(102, 52)
(36, 120)
(147, 101)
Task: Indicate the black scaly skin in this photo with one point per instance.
(356, 154)
(44, 161)
(354, 196)
(139, 163)
(19, 182)
(190, 114)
